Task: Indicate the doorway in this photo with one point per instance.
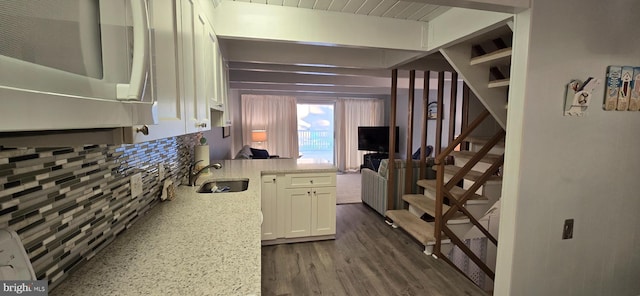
(316, 132)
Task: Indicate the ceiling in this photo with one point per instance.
(292, 68)
(405, 10)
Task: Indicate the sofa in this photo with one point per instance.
(252, 153)
(374, 183)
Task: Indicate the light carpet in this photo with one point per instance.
(348, 188)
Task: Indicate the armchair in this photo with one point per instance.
(374, 184)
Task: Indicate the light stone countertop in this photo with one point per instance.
(196, 244)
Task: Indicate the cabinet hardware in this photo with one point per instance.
(203, 125)
(144, 130)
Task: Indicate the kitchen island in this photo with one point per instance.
(196, 244)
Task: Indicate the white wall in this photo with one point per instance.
(219, 147)
(582, 168)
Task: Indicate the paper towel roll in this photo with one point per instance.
(202, 153)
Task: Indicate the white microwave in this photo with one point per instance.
(75, 64)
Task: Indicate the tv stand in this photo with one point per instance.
(372, 160)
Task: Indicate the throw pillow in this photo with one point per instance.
(259, 153)
(244, 153)
(382, 169)
(416, 155)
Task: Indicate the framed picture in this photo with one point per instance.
(226, 131)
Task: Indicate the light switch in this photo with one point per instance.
(136, 185)
(567, 231)
(160, 172)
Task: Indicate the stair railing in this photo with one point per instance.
(456, 204)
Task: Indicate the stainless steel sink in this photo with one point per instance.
(224, 186)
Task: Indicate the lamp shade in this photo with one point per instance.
(259, 135)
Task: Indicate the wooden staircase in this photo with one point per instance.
(450, 209)
(466, 204)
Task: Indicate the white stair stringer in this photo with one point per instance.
(476, 77)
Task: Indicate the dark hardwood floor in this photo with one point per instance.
(368, 257)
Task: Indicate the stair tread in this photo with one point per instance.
(430, 185)
(424, 203)
(498, 83)
(416, 227)
(495, 57)
(471, 175)
(483, 140)
(489, 158)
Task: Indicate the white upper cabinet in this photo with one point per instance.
(192, 31)
(220, 105)
(187, 78)
(63, 68)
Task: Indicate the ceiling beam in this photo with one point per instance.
(240, 20)
(508, 6)
(265, 67)
(304, 54)
(265, 80)
(310, 88)
(295, 78)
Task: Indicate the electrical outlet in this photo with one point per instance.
(160, 171)
(567, 231)
(136, 185)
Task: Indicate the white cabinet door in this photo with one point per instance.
(298, 209)
(269, 207)
(297, 212)
(186, 16)
(224, 92)
(201, 41)
(166, 85)
(214, 71)
(192, 31)
(323, 215)
(220, 106)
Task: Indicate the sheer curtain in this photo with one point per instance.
(351, 113)
(275, 114)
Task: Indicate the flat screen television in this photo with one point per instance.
(375, 138)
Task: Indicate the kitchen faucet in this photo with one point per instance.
(194, 177)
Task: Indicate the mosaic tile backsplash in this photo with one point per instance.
(67, 204)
